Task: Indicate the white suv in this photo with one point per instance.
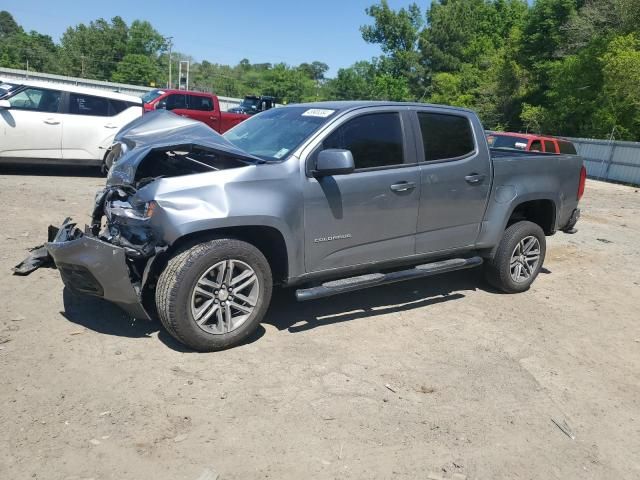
(48, 123)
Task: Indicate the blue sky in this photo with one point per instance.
(226, 31)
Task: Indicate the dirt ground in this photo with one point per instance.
(437, 378)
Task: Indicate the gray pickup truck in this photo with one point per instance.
(196, 228)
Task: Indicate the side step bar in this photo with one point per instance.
(375, 279)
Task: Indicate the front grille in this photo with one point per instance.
(80, 279)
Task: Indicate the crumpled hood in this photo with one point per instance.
(162, 129)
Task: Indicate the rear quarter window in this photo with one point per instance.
(567, 147)
(445, 136)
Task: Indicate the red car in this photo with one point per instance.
(530, 143)
(204, 107)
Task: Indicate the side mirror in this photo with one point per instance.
(4, 104)
(161, 105)
(334, 161)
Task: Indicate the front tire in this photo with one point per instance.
(518, 259)
(215, 294)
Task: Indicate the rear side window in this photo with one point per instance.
(375, 140)
(445, 136)
(88, 105)
(196, 102)
(36, 99)
(567, 147)
(549, 147)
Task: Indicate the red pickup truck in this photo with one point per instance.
(204, 107)
(529, 142)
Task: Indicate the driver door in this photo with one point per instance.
(369, 215)
(32, 127)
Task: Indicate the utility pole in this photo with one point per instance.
(170, 42)
(182, 79)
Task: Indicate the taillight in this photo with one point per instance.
(583, 181)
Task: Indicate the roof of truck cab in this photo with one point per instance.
(64, 87)
(188, 92)
(344, 105)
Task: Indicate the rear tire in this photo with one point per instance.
(518, 259)
(214, 295)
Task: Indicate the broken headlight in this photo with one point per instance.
(121, 210)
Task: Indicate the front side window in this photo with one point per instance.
(375, 140)
(36, 99)
(536, 146)
(445, 136)
(80, 104)
(175, 101)
(197, 102)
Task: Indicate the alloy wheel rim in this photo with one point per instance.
(224, 296)
(525, 259)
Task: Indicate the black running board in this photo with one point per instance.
(375, 279)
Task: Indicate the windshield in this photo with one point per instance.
(507, 141)
(151, 96)
(250, 102)
(273, 134)
(7, 88)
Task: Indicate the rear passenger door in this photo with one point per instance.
(90, 123)
(369, 215)
(455, 177)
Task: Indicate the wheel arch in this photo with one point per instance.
(541, 211)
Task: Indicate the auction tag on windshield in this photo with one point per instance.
(318, 112)
(281, 153)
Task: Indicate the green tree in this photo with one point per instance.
(94, 50)
(8, 25)
(136, 69)
(398, 34)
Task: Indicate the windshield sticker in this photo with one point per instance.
(521, 145)
(318, 112)
(281, 153)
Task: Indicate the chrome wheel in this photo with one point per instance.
(525, 259)
(225, 296)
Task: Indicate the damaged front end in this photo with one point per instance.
(92, 266)
(115, 256)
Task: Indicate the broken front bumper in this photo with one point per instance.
(91, 266)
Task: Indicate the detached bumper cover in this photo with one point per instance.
(91, 266)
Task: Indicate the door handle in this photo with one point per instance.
(474, 179)
(402, 186)
(110, 126)
(51, 121)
